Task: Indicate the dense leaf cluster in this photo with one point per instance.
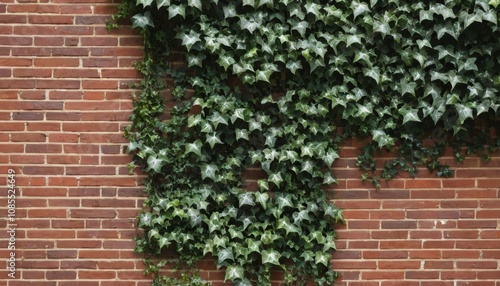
(278, 86)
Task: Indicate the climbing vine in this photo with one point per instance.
(234, 87)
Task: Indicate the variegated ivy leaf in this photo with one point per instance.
(249, 3)
(463, 112)
(162, 3)
(225, 61)
(382, 138)
(373, 72)
(155, 163)
(163, 242)
(246, 199)
(283, 200)
(153, 233)
(268, 237)
(262, 198)
(223, 255)
(328, 178)
(276, 178)
(229, 11)
(293, 66)
(216, 118)
(268, 3)
(189, 40)
(213, 139)
(494, 3)
(248, 24)
(270, 256)
(253, 245)
(359, 8)
(234, 272)
(300, 27)
(242, 134)
(209, 171)
(195, 3)
(284, 223)
(142, 20)
(176, 10)
(307, 166)
(322, 258)
(263, 75)
(330, 157)
(206, 127)
(409, 114)
(194, 147)
(300, 216)
(144, 3)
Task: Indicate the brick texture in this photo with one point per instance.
(64, 99)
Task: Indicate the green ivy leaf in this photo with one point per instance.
(409, 114)
(270, 256)
(162, 3)
(234, 272)
(142, 20)
(177, 10)
(209, 171)
(194, 147)
(195, 3)
(155, 163)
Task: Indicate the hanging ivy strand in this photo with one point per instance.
(244, 106)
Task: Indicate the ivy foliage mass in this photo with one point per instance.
(278, 86)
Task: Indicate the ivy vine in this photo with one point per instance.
(234, 87)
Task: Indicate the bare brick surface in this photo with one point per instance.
(64, 100)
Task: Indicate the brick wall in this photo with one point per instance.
(64, 98)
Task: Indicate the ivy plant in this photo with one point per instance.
(272, 89)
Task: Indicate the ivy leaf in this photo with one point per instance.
(216, 118)
(140, 20)
(195, 3)
(359, 8)
(284, 200)
(373, 72)
(262, 198)
(174, 10)
(163, 242)
(313, 8)
(194, 147)
(263, 75)
(246, 199)
(234, 272)
(223, 255)
(494, 3)
(242, 134)
(144, 3)
(209, 171)
(463, 112)
(300, 216)
(225, 61)
(162, 3)
(322, 258)
(276, 178)
(409, 114)
(270, 256)
(268, 237)
(190, 40)
(300, 27)
(229, 11)
(293, 66)
(155, 163)
(249, 3)
(249, 25)
(213, 139)
(382, 138)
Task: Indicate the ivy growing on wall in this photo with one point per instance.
(234, 87)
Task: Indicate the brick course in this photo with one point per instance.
(64, 100)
